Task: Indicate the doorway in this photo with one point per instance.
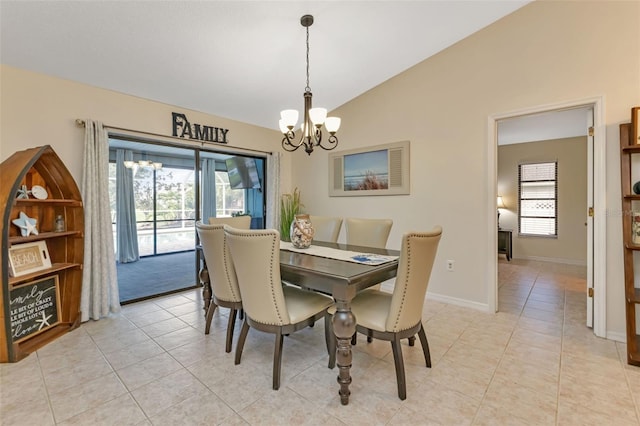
(593, 127)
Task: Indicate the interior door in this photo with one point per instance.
(589, 215)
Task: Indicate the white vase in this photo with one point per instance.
(301, 232)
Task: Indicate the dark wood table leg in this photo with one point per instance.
(344, 326)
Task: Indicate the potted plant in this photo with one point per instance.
(290, 206)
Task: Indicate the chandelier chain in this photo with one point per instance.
(307, 88)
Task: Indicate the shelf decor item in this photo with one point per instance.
(26, 224)
(27, 258)
(635, 227)
(635, 125)
(39, 192)
(34, 308)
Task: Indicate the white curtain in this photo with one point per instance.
(126, 231)
(208, 174)
(273, 190)
(99, 280)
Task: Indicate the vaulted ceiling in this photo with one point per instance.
(243, 60)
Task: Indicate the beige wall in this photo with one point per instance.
(38, 110)
(571, 155)
(545, 53)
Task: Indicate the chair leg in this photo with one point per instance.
(277, 360)
(412, 341)
(230, 326)
(241, 339)
(369, 338)
(330, 339)
(354, 339)
(399, 362)
(210, 311)
(425, 346)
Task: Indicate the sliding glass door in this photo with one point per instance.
(165, 208)
(157, 193)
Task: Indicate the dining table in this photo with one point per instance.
(342, 271)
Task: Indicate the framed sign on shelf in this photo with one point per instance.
(27, 258)
(34, 307)
(374, 170)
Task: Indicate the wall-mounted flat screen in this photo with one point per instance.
(243, 173)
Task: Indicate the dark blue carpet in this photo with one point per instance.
(156, 275)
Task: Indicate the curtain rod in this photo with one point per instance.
(80, 122)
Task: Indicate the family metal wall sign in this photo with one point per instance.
(182, 128)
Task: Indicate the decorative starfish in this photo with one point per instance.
(23, 192)
(44, 321)
(26, 224)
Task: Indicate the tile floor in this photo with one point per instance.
(534, 363)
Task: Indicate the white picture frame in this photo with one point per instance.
(28, 258)
(374, 170)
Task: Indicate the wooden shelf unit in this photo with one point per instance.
(632, 294)
(41, 166)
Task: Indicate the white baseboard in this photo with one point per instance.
(616, 336)
(554, 260)
(484, 307)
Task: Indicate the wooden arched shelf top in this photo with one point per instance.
(40, 166)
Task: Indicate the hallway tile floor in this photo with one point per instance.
(533, 363)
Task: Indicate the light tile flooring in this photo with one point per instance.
(535, 363)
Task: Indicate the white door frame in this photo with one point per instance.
(599, 203)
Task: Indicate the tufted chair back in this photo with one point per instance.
(417, 254)
(256, 256)
(368, 232)
(240, 222)
(222, 274)
(327, 228)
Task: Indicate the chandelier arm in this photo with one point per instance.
(332, 141)
(287, 144)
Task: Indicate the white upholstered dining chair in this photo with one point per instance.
(268, 305)
(396, 316)
(326, 228)
(221, 274)
(241, 222)
(368, 232)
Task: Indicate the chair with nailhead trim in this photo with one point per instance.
(269, 306)
(220, 271)
(398, 315)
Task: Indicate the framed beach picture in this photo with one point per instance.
(374, 170)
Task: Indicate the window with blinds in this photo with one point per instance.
(538, 199)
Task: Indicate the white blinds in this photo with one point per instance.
(538, 197)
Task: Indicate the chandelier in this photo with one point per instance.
(314, 118)
(142, 163)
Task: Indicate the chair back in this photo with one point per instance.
(368, 232)
(240, 222)
(256, 256)
(222, 274)
(417, 255)
(327, 228)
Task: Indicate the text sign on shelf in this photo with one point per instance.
(34, 308)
